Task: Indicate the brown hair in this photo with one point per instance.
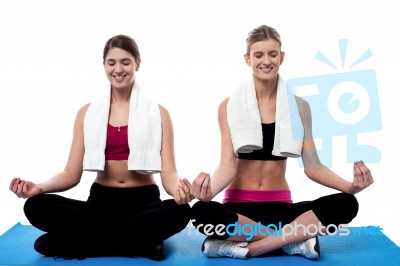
(261, 33)
(123, 42)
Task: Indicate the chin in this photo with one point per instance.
(122, 84)
(266, 77)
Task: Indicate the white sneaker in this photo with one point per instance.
(224, 248)
(308, 248)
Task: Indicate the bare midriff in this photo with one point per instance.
(260, 175)
(116, 174)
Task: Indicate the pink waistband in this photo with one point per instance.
(246, 195)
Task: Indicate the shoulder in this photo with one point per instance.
(223, 105)
(165, 116)
(301, 102)
(304, 107)
(84, 108)
(222, 111)
(82, 111)
(163, 111)
(80, 116)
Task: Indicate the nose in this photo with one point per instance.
(118, 68)
(266, 59)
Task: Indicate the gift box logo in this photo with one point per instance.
(342, 104)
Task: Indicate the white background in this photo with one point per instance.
(192, 58)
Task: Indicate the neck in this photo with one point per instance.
(266, 89)
(121, 95)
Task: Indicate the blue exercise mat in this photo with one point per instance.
(363, 246)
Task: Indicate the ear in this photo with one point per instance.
(137, 64)
(282, 57)
(247, 59)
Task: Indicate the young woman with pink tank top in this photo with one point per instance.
(257, 195)
(123, 215)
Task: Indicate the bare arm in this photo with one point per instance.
(317, 172)
(205, 188)
(64, 180)
(226, 170)
(172, 183)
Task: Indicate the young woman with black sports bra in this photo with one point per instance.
(123, 215)
(256, 190)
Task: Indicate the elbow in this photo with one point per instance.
(75, 178)
(73, 182)
(310, 172)
(169, 181)
(313, 169)
(76, 182)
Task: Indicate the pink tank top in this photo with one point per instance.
(117, 147)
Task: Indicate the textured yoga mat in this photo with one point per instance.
(363, 246)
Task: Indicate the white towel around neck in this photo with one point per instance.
(144, 133)
(244, 121)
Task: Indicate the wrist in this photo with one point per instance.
(351, 189)
(41, 188)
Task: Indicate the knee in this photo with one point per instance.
(350, 205)
(32, 205)
(181, 212)
(199, 209)
(345, 207)
(202, 211)
(340, 208)
(185, 211)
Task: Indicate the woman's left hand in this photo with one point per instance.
(182, 194)
(362, 177)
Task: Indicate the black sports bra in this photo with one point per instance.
(265, 154)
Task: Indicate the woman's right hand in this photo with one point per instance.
(201, 187)
(24, 189)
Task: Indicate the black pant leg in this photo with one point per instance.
(212, 213)
(336, 209)
(155, 223)
(55, 213)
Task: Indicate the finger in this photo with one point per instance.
(17, 190)
(368, 180)
(194, 184)
(14, 184)
(20, 186)
(182, 195)
(204, 187)
(187, 183)
(185, 189)
(177, 197)
(198, 184)
(371, 179)
(357, 175)
(24, 188)
(184, 186)
(189, 197)
(360, 171)
(209, 189)
(363, 175)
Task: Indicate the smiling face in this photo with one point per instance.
(120, 67)
(265, 58)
